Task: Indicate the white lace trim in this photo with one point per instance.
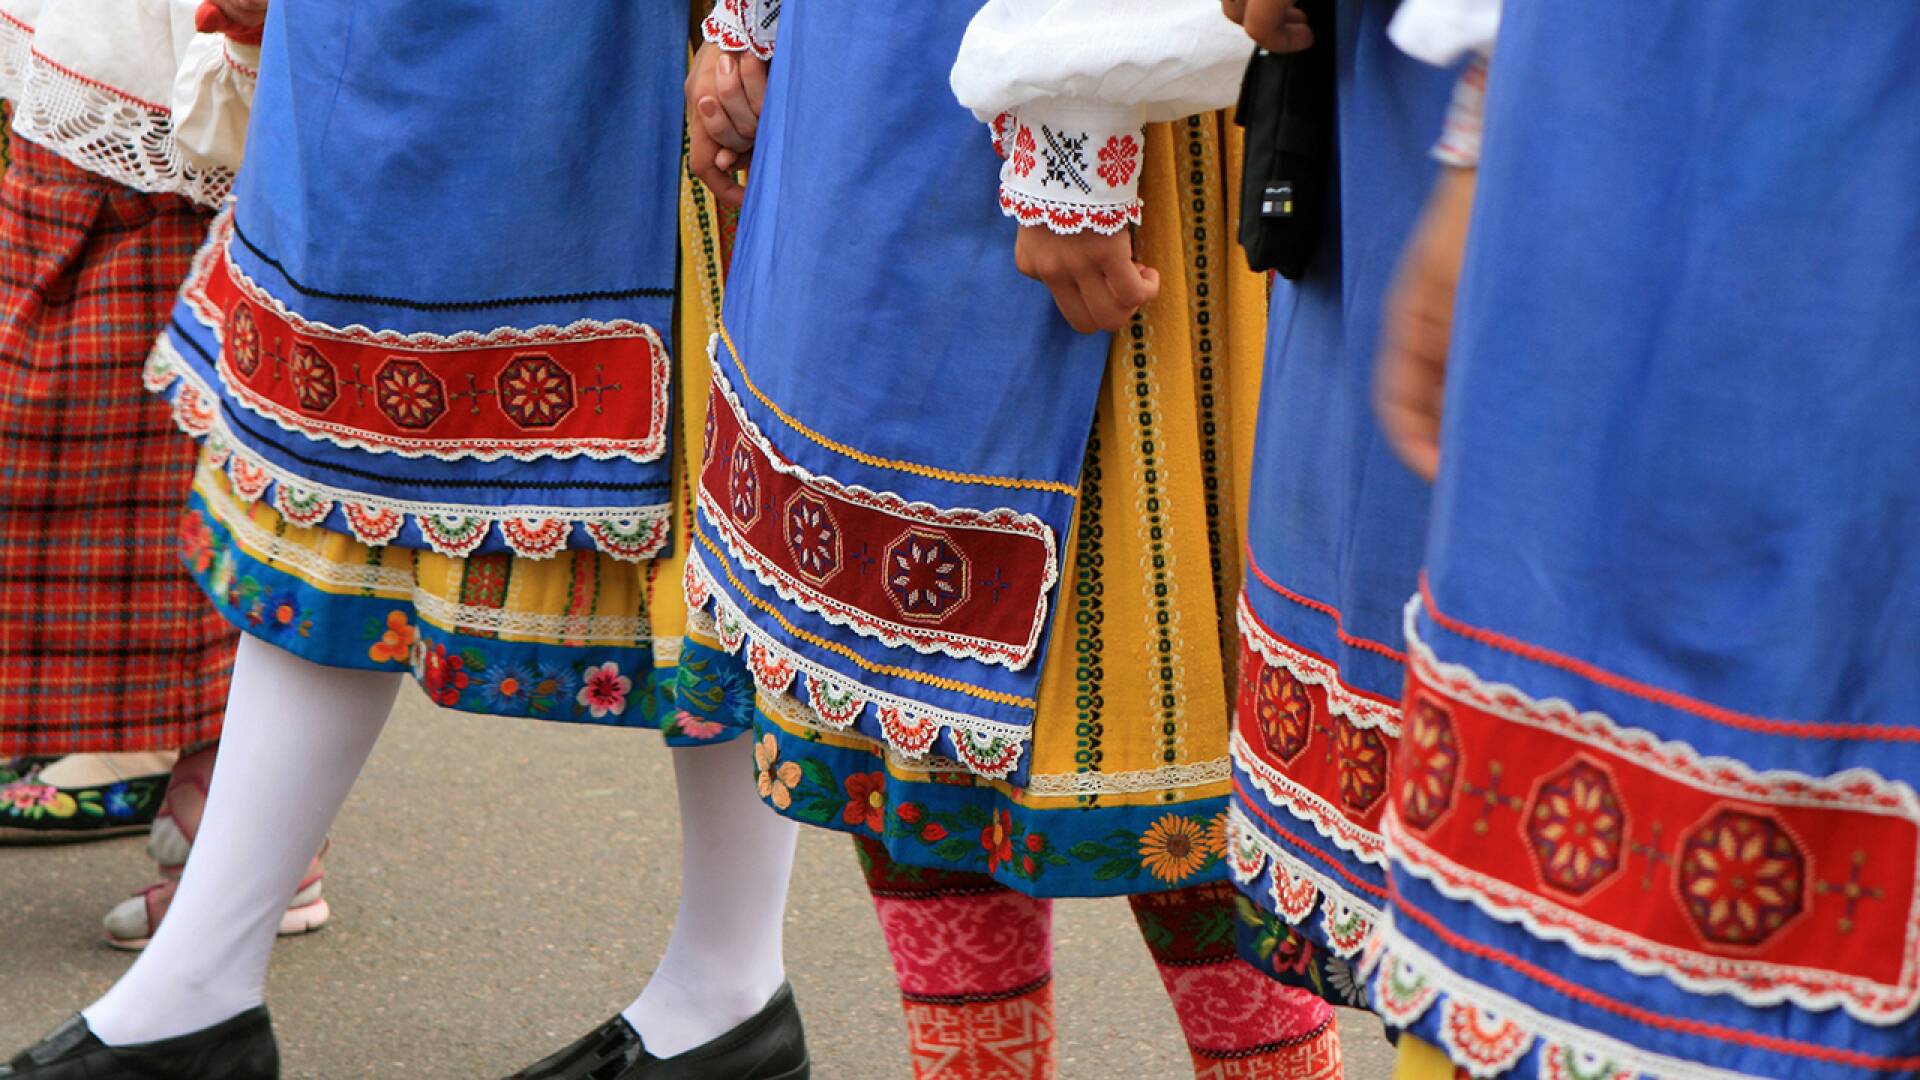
(397, 583)
(1298, 889)
(1359, 709)
(1070, 173)
(923, 640)
(1865, 1000)
(988, 748)
(744, 26)
(533, 532)
(101, 130)
(1327, 820)
(1396, 957)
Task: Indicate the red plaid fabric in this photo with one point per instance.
(105, 643)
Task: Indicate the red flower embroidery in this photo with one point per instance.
(1119, 159)
(909, 813)
(1023, 152)
(410, 395)
(535, 391)
(314, 384)
(933, 833)
(997, 839)
(866, 801)
(444, 676)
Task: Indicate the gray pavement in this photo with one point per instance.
(501, 886)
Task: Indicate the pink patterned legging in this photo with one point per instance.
(975, 964)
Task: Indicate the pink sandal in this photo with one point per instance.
(132, 922)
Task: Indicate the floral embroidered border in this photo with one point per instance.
(529, 394)
(1642, 852)
(628, 532)
(743, 26)
(100, 129)
(968, 583)
(986, 747)
(1069, 177)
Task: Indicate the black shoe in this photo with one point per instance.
(238, 1049)
(767, 1046)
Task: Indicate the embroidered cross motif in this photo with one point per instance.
(600, 388)
(1851, 889)
(1654, 852)
(473, 392)
(997, 584)
(862, 558)
(360, 386)
(1066, 160)
(1491, 798)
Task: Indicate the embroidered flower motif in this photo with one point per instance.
(813, 536)
(279, 613)
(1024, 152)
(1430, 764)
(926, 575)
(997, 840)
(24, 796)
(1577, 828)
(442, 675)
(743, 486)
(1363, 766)
(1219, 835)
(535, 391)
(1174, 848)
(866, 801)
(196, 541)
(693, 727)
(1119, 159)
(777, 778)
(410, 395)
(221, 579)
(315, 386)
(243, 340)
(396, 643)
(1743, 878)
(604, 690)
(119, 802)
(1284, 712)
(507, 686)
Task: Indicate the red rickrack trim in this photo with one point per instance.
(1339, 622)
(1069, 218)
(1568, 989)
(1797, 729)
(1274, 640)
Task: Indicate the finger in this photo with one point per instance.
(1234, 10)
(753, 76)
(1105, 309)
(1127, 284)
(1410, 387)
(1066, 296)
(702, 155)
(1277, 25)
(733, 97)
(714, 118)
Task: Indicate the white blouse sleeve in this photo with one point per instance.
(213, 100)
(743, 26)
(1442, 31)
(1069, 84)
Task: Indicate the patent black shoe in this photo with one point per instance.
(771, 1045)
(238, 1049)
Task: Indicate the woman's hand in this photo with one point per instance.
(229, 16)
(1275, 25)
(1094, 279)
(724, 94)
(1411, 376)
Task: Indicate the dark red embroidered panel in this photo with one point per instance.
(599, 389)
(964, 582)
(1771, 886)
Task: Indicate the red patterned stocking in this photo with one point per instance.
(1239, 1024)
(975, 964)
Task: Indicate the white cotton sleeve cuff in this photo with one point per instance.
(1160, 59)
(1459, 144)
(1071, 167)
(213, 100)
(1440, 32)
(744, 26)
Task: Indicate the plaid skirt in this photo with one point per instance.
(105, 642)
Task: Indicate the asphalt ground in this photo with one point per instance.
(501, 886)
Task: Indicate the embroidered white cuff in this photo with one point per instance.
(1459, 144)
(744, 26)
(1071, 169)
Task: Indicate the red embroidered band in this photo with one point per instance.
(1770, 886)
(968, 583)
(592, 388)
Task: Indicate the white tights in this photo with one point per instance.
(296, 737)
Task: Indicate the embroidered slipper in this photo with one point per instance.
(80, 797)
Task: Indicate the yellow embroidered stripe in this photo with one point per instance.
(887, 463)
(878, 669)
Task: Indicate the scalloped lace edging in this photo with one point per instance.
(1296, 890)
(631, 534)
(986, 747)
